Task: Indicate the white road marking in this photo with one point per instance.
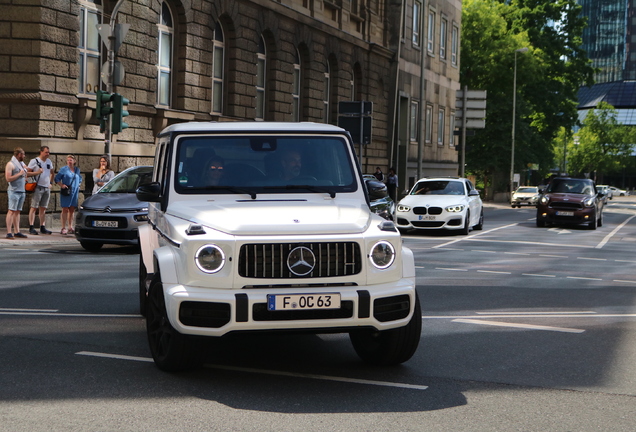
(514, 315)
(474, 235)
(624, 281)
(614, 231)
(529, 243)
(592, 259)
(269, 372)
(534, 313)
(521, 326)
(583, 278)
(554, 256)
(420, 267)
(517, 253)
(450, 269)
(484, 251)
(538, 275)
(493, 271)
(74, 315)
(27, 310)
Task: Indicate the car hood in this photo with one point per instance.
(433, 200)
(116, 201)
(525, 194)
(264, 217)
(568, 197)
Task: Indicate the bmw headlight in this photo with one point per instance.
(403, 208)
(382, 254)
(210, 258)
(455, 208)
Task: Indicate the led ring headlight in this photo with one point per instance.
(210, 258)
(382, 254)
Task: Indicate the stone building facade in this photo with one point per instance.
(228, 60)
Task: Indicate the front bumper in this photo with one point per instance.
(448, 221)
(215, 312)
(568, 216)
(126, 232)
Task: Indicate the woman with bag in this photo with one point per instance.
(69, 179)
(103, 174)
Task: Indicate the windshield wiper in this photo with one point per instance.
(311, 188)
(232, 189)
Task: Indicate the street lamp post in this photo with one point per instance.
(514, 108)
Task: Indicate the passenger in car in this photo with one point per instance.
(214, 171)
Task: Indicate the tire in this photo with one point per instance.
(389, 347)
(480, 224)
(143, 295)
(91, 246)
(466, 228)
(171, 351)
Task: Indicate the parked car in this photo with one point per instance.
(281, 240)
(525, 195)
(114, 214)
(380, 201)
(609, 193)
(618, 192)
(570, 201)
(441, 203)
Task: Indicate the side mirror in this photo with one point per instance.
(473, 192)
(150, 192)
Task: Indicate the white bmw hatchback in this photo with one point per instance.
(441, 203)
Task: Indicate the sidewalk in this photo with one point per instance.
(55, 238)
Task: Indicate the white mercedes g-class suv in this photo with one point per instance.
(266, 227)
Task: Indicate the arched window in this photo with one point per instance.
(261, 68)
(326, 90)
(164, 64)
(296, 89)
(218, 66)
(89, 59)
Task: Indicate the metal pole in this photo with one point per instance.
(111, 75)
(514, 106)
(463, 158)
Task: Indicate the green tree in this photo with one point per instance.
(602, 145)
(548, 78)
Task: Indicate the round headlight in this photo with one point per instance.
(455, 209)
(403, 208)
(543, 200)
(210, 258)
(382, 254)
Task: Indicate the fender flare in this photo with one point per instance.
(147, 244)
(164, 262)
(408, 264)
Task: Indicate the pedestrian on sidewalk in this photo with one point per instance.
(103, 174)
(15, 173)
(69, 178)
(42, 193)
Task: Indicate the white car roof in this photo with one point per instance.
(441, 179)
(202, 127)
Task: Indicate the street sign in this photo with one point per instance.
(471, 123)
(471, 103)
(471, 113)
(471, 94)
(118, 73)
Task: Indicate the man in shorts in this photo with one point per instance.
(42, 193)
(15, 173)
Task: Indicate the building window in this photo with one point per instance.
(164, 66)
(325, 97)
(414, 124)
(89, 60)
(429, 123)
(261, 65)
(440, 126)
(218, 66)
(451, 130)
(442, 38)
(454, 45)
(431, 32)
(296, 89)
(417, 22)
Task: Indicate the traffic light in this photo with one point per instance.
(119, 103)
(103, 108)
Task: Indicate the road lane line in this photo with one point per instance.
(473, 236)
(517, 253)
(592, 259)
(537, 275)
(450, 269)
(73, 315)
(534, 313)
(268, 372)
(420, 267)
(512, 315)
(493, 271)
(27, 310)
(483, 251)
(554, 256)
(583, 278)
(529, 243)
(521, 326)
(614, 231)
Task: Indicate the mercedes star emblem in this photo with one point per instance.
(301, 261)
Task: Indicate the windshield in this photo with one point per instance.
(439, 187)
(263, 164)
(128, 181)
(573, 186)
(527, 190)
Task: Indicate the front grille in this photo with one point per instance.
(269, 261)
(260, 313)
(429, 210)
(559, 205)
(427, 224)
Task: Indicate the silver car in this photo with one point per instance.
(525, 195)
(114, 214)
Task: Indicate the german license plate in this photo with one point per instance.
(104, 224)
(277, 302)
(565, 213)
(427, 218)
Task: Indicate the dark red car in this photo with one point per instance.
(570, 201)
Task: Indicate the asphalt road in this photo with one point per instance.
(524, 328)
